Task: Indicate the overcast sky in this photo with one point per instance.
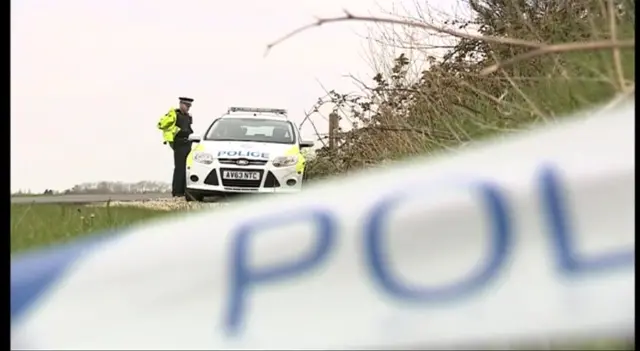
(89, 79)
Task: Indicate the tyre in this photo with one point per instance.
(193, 196)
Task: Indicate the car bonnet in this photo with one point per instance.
(243, 149)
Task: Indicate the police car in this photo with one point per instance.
(247, 150)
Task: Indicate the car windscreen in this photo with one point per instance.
(251, 129)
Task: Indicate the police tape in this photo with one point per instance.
(531, 237)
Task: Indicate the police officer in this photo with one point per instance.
(176, 128)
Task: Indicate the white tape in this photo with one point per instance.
(530, 237)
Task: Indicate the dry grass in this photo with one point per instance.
(529, 63)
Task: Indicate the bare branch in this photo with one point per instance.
(458, 34)
(559, 48)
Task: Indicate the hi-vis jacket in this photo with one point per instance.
(167, 125)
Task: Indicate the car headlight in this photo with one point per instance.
(284, 161)
(203, 157)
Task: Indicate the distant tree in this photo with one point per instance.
(22, 192)
(107, 187)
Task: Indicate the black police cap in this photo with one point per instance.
(185, 99)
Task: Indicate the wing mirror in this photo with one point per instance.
(306, 143)
(195, 138)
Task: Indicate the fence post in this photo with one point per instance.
(333, 129)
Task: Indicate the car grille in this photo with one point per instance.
(234, 161)
(242, 183)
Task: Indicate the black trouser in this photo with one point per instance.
(181, 149)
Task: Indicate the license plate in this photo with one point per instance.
(241, 175)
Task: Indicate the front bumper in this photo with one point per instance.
(207, 179)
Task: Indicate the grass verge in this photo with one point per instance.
(40, 225)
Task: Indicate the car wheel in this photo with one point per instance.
(193, 196)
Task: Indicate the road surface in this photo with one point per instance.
(84, 198)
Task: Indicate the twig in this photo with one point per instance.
(524, 96)
(411, 47)
(617, 61)
(458, 34)
(367, 87)
(630, 90)
(399, 129)
(339, 105)
(559, 48)
(498, 101)
(315, 129)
